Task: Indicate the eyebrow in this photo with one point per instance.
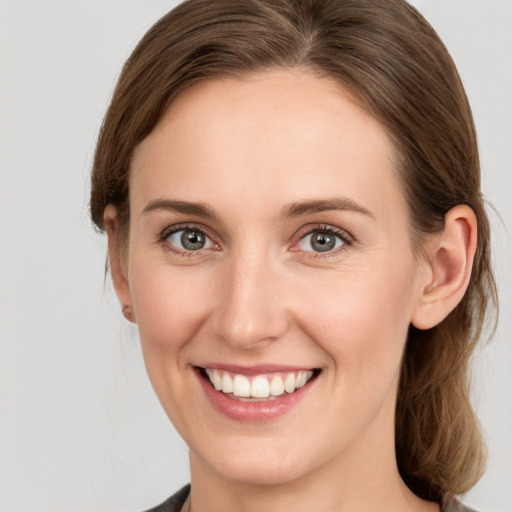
(309, 207)
(297, 209)
(185, 207)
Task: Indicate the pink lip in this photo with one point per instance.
(251, 411)
(254, 369)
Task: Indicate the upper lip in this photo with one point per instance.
(254, 369)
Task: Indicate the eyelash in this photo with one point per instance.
(346, 239)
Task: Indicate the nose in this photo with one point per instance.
(250, 311)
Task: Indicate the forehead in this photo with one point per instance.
(284, 135)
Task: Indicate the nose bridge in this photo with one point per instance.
(250, 311)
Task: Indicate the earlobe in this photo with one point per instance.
(450, 257)
(117, 263)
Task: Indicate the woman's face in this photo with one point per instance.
(270, 244)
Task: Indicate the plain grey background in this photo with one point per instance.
(80, 428)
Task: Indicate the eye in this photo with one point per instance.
(322, 240)
(187, 239)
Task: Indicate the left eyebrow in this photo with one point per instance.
(309, 207)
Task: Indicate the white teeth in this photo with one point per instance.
(276, 386)
(215, 378)
(289, 383)
(227, 383)
(260, 388)
(241, 386)
(302, 379)
(217, 381)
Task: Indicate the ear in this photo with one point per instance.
(117, 261)
(449, 260)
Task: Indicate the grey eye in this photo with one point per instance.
(320, 241)
(189, 240)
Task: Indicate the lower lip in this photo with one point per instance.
(252, 411)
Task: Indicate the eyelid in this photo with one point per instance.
(194, 226)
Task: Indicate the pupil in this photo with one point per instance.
(322, 242)
(192, 240)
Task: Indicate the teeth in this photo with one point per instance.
(276, 386)
(217, 381)
(241, 386)
(261, 386)
(301, 380)
(227, 383)
(215, 378)
(289, 383)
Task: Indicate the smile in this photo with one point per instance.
(264, 386)
(255, 394)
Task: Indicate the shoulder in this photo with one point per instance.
(174, 503)
(456, 506)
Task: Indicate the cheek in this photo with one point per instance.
(170, 309)
(362, 319)
(170, 305)
(165, 305)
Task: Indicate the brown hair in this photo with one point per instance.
(385, 53)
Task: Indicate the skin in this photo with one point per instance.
(260, 294)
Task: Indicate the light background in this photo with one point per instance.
(80, 428)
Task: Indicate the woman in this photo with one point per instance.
(291, 193)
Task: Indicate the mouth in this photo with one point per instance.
(260, 387)
(255, 393)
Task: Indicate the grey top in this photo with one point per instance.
(176, 501)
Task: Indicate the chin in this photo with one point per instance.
(259, 473)
(258, 466)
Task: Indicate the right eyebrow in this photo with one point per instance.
(186, 207)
